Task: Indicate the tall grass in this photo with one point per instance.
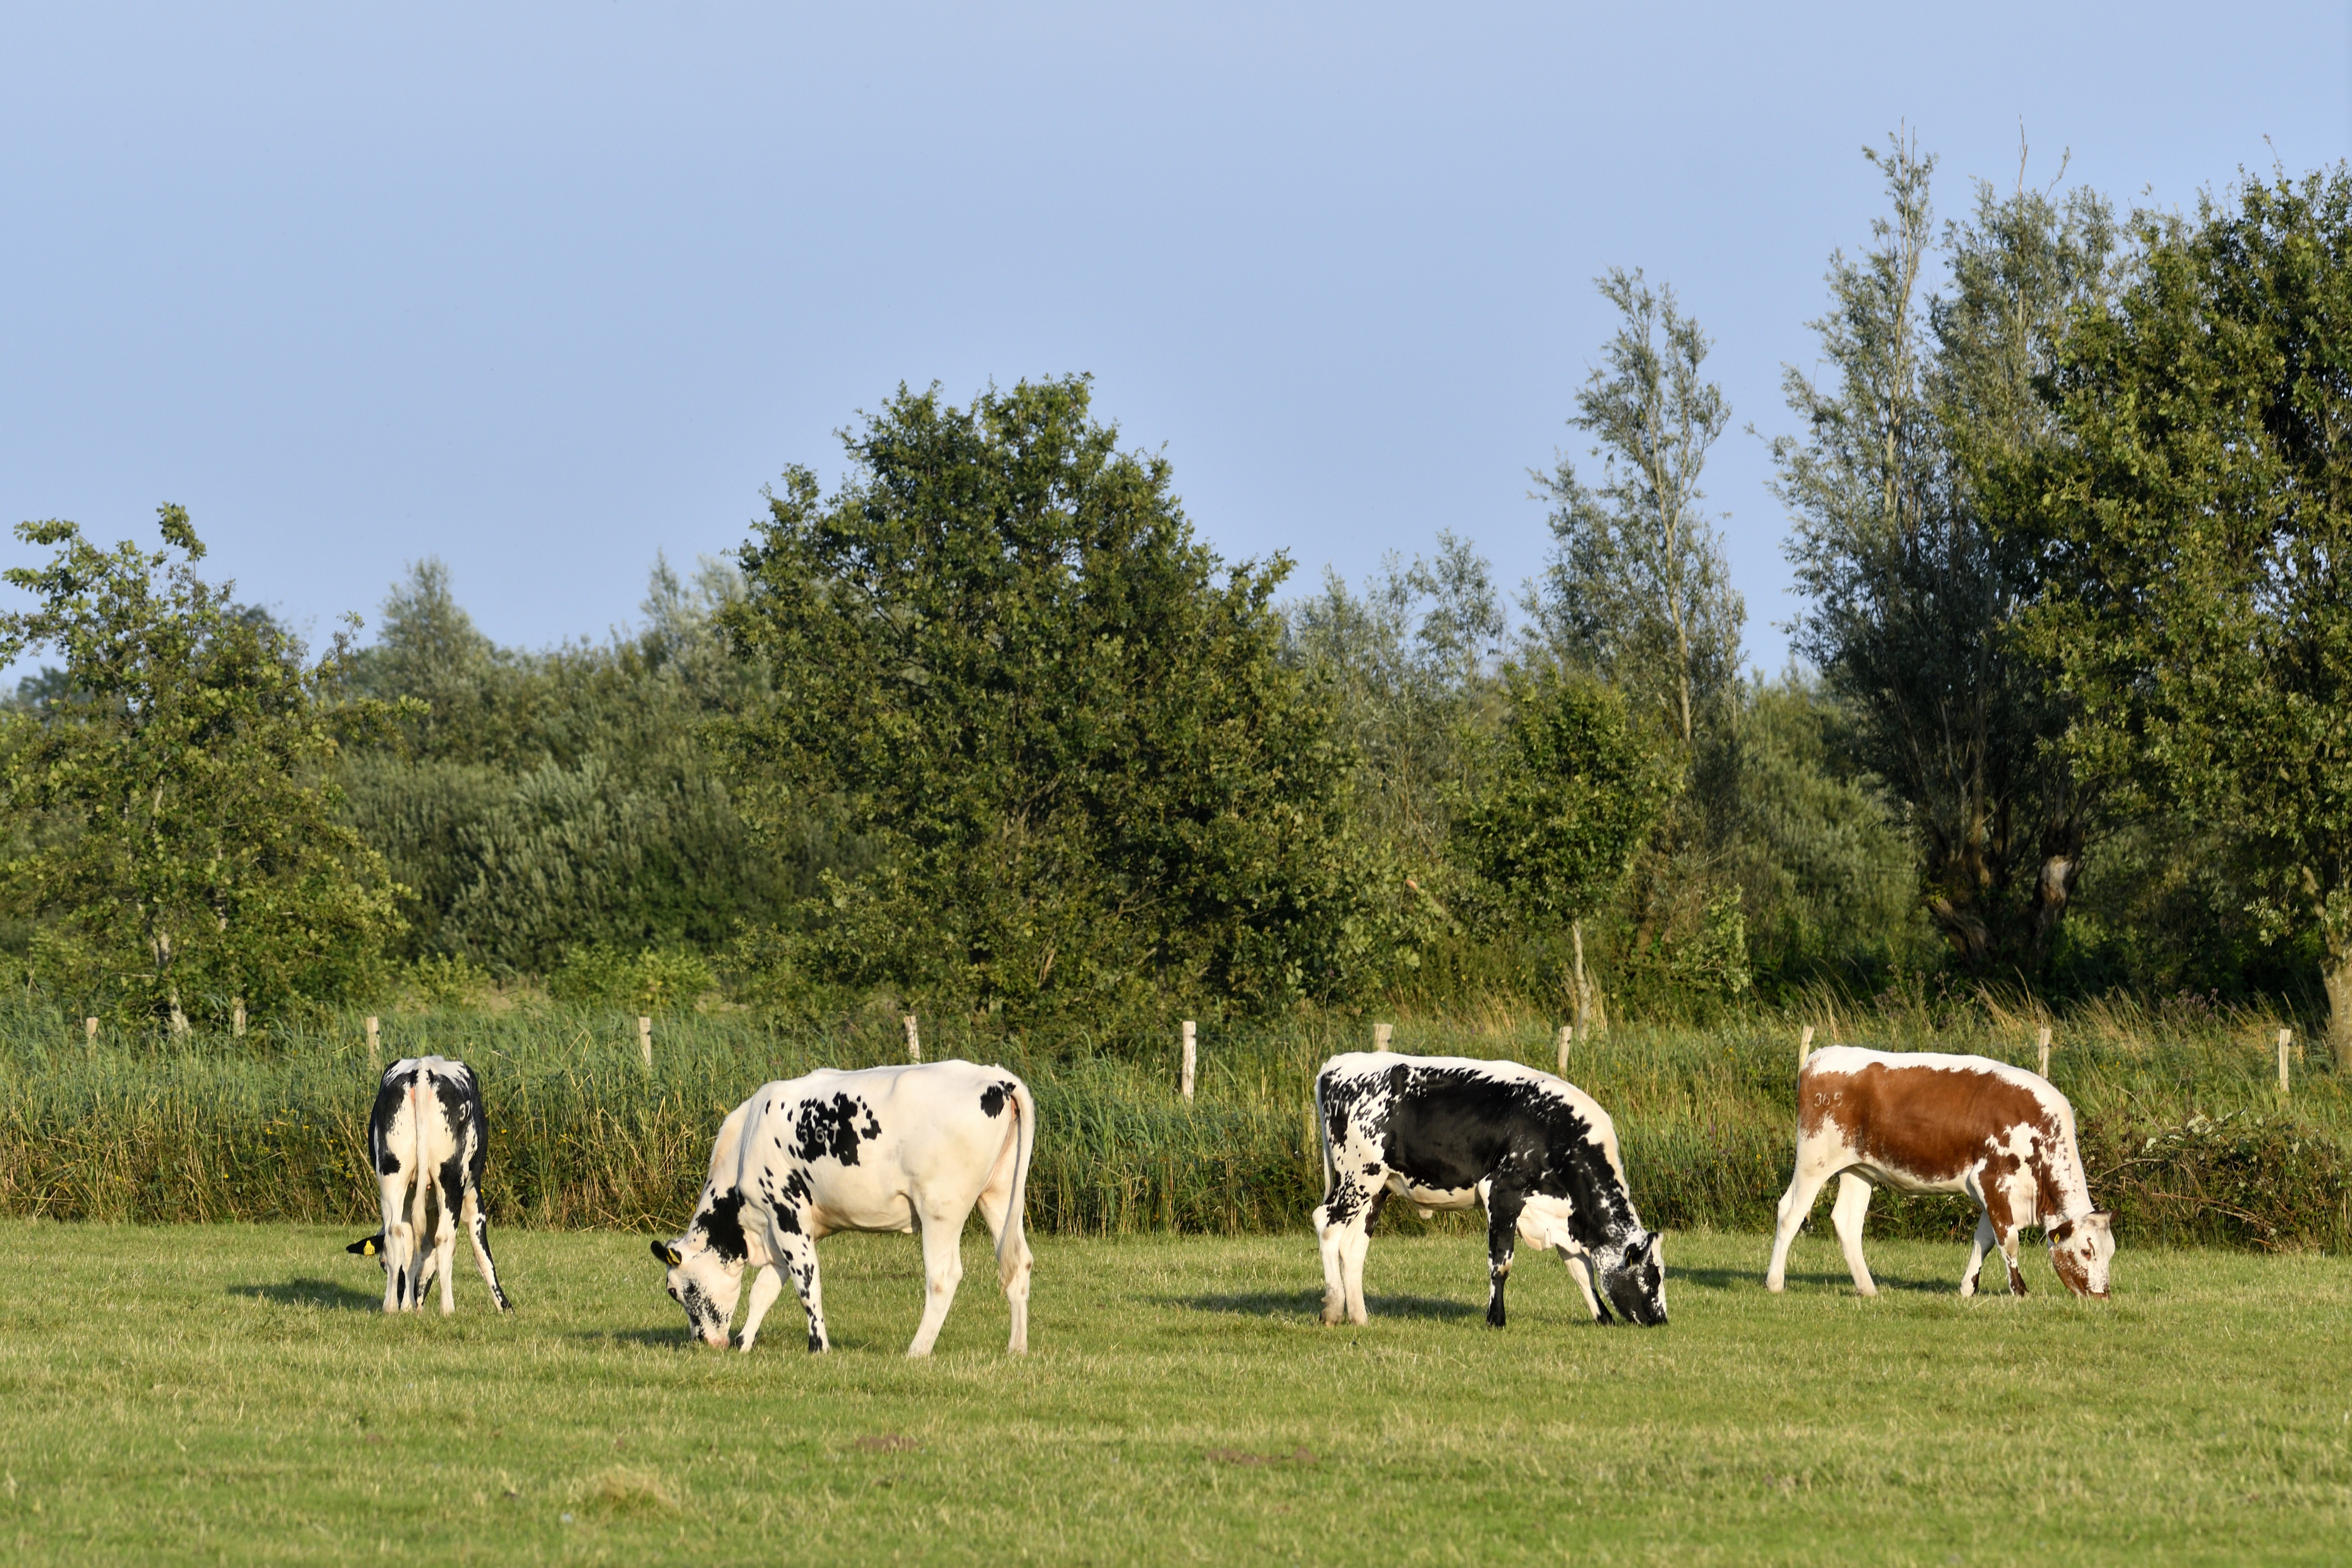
(2182, 1127)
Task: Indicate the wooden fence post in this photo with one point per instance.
(375, 1051)
(1380, 1035)
(1185, 1082)
(1804, 1047)
(2044, 1042)
(914, 1040)
(2286, 1037)
(646, 1038)
(237, 1016)
(1567, 1035)
(89, 1030)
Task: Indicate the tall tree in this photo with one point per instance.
(1911, 584)
(1063, 722)
(185, 761)
(1636, 588)
(2194, 535)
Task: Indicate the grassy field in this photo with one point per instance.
(229, 1392)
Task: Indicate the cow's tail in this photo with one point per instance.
(1010, 1244)
(420, 1178)
(1323, 1136)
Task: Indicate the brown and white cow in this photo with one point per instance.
(1920, 1122)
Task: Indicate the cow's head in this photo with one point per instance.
(1632, 1278)
(705, 1267)
(2080, 1249)
(371, 1246)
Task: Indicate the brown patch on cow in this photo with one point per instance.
(2072, 1272)
(1932, 1123)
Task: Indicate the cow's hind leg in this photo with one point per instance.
(477, 1231)
(995, 1207)
(1845, 1218)
(1343, 1227)
(402, 1281)
(1503, 1207)
(452, 1195)
(943, 1272)
(1804, 1185)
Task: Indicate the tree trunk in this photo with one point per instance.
(2335, 975)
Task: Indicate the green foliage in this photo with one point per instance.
(1571, 793)
(2194, 535)
(1912, 586)
(190, 851)
(542, 801)
(1087, 775)
(653, 981)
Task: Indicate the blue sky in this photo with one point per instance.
(543, 289)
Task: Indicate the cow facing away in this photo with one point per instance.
(428, 1139)
(1448, 1132)
(887, 1149)
(1923, 1123)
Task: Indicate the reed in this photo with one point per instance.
(2181, 1124)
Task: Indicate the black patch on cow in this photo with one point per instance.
(723, 1223)
(788, 1221)
(992, 1100)
(823, 1128)
(388, 1096)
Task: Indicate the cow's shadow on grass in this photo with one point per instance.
(1826, 1279)
(332, 1294)
(1309, 1304)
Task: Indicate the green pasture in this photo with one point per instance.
(229, 1392)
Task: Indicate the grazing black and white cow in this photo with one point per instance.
(428, 1139)
(1448, 1132)
(887, 1149)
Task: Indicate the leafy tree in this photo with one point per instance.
(185, 766)
(1912, 585)
(1087, 770)
(2194, 535)
(1569, 796)
(1637, 588)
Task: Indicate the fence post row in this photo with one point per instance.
(1380, 1035)
(237, 1016)
(646, 1038)
(2044, 1068)
(2286, 1037)
(375, 1051)
(1184, 1079)
(89, 1030)
(914, 1040)
(1804, 1045)
(1567, 1035)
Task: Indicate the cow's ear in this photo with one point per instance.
(667, 1253)
(362, 1249)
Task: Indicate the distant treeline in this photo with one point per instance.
(988, 732)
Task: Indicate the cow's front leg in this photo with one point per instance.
(1977, 1250)
(2009, 1252)
(477, 1231)
(444, 1229)
(1580, 1268)
(1503, 1205)
(765, 1289)
(795, 1254)
(943, 1272)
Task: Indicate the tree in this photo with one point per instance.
(1911, 584)
(1567, 800)
(1088, 774)
(1637, 589)
(185, 765)
(2194, 538)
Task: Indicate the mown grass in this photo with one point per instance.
(2182, 1127)
(229, 1392)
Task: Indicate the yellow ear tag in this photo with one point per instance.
(674, 1254)
(367, 1247)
